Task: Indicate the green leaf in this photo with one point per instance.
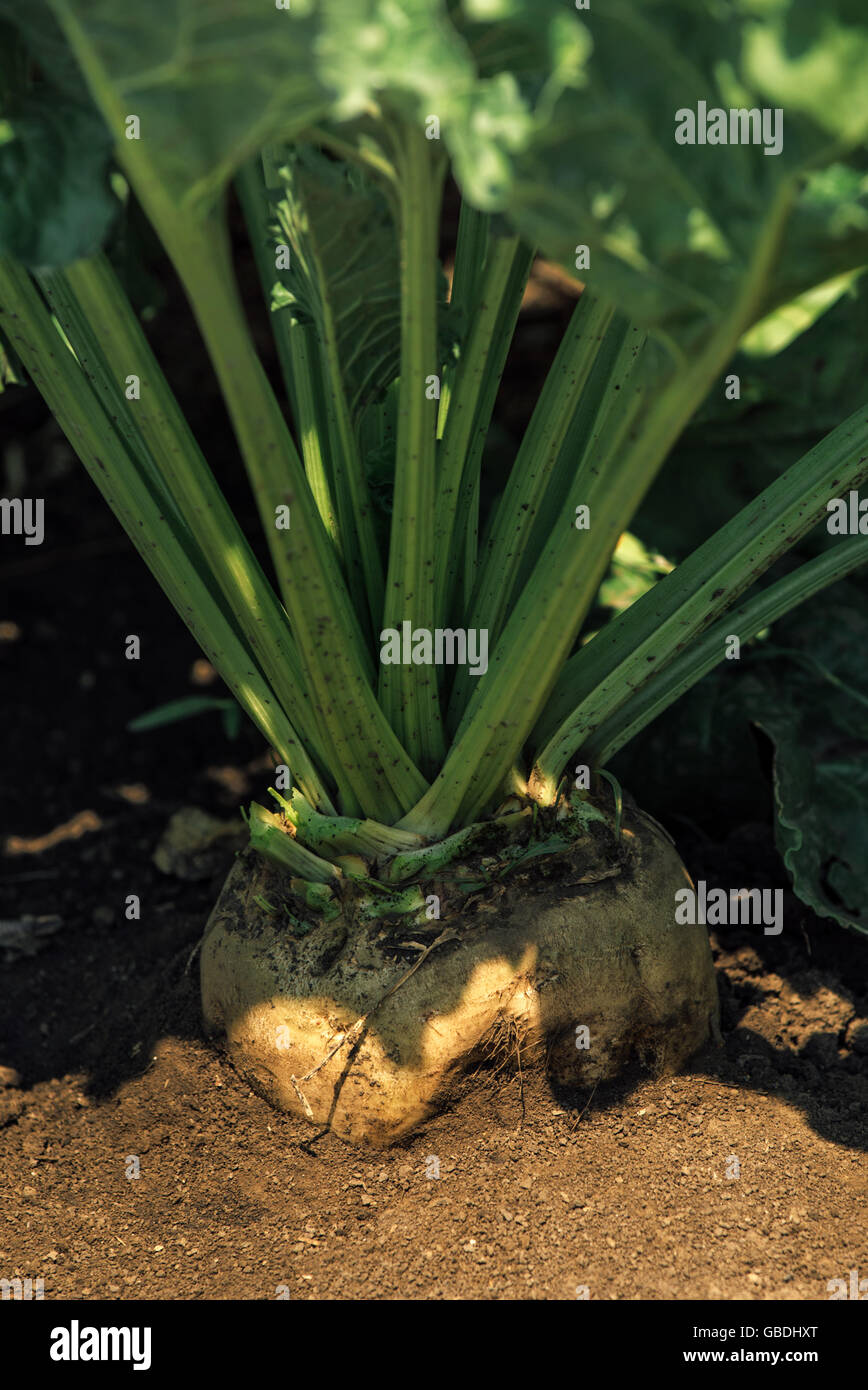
(11, 370)
(56, 204)
(33, 30)
(671, 227)
(633, 571)
(244, 74)
(567, 127)
(55, 150)
(797, 393)
(783, 325)
(344, 268)
(210, 84)
(175, 710)
(270, 837)
(698, 758)
(818, 727)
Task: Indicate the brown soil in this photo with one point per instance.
(623, 1190)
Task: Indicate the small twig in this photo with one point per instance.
(192, 956)
(353, 1034)
(449, 934)
(520, 1077)
(77, 1037)
(302, 1097)
(614, 872)
(574, 1127)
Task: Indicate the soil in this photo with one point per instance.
(134, 1163)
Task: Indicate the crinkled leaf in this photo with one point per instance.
(344, 268)
(698, 761)
(212, 81)
(56, 204)
(801, 392)
(672, 227)
(209, 80)
(822, 823)
(55, 150)
(814, 707)
(344, 278)
(566, 124)
(40, 36)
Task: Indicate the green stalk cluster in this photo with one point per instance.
(396, 769)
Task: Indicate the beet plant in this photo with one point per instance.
(445, 869)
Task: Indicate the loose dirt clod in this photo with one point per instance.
(195, 845)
